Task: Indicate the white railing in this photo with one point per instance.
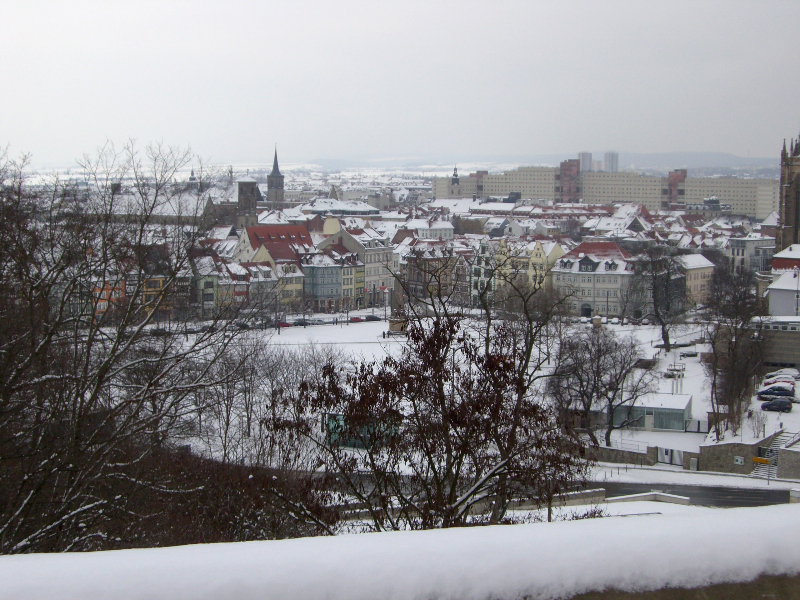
(630, 446)
(794, 439)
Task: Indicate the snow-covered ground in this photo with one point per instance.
(365, 341)
(362, 340)
(675, 475)
(683, 546)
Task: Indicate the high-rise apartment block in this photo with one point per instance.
(611, 162)
(569, 182)
(585, 159)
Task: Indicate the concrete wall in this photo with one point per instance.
(720, 457)
(789, 462)
(582, 497)
(613, 455)
(783, 346)
(687, 459)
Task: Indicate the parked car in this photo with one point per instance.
(788, 379)
(645, 321)
(584, 319)
(356, 319)
(778, 404)
(284, 324)
(372, 318)
(301, 322)
(688, 354)
(615, 321)
(316, 322)
(778, 389)
(159, 332)
(788, 371)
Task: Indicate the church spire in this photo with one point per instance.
(275, 171)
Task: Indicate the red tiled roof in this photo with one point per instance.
(281, 252)
(606, 249)
(292, 234)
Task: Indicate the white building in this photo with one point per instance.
(699, 271)
(597, 275)
(752, 252)
(431, 230)
(784, 295)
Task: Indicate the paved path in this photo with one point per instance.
(724, 497)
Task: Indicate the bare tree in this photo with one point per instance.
(89, 396)
(455, 428)
(737, 347)
(438, 435)
(660, 287)
(596, 376)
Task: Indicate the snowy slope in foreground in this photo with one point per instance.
(697, 547)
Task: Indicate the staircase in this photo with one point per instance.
(770, 471)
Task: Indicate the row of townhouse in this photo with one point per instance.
(599, 278)
(503, 260)
(339, 269)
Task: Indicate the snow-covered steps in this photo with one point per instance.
(770, 471)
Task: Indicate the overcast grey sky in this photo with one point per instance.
(399, 79)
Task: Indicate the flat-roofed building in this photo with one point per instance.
(752, 197)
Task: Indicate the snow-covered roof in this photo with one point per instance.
(771, 220)
(338, 207)
(663, 400)
(694, 261)
(425, 224)
(456, 206)
(790, 280)
(792, 251)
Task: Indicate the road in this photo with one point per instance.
(722, 497)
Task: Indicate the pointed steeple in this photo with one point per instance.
(275, 182)
(275, 170)
(783, 152)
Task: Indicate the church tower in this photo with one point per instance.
(788, 231)
(275, 182)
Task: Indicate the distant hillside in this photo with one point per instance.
(659, 161)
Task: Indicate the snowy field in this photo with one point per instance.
(365, 341)
(681, 546)
(361, 340)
